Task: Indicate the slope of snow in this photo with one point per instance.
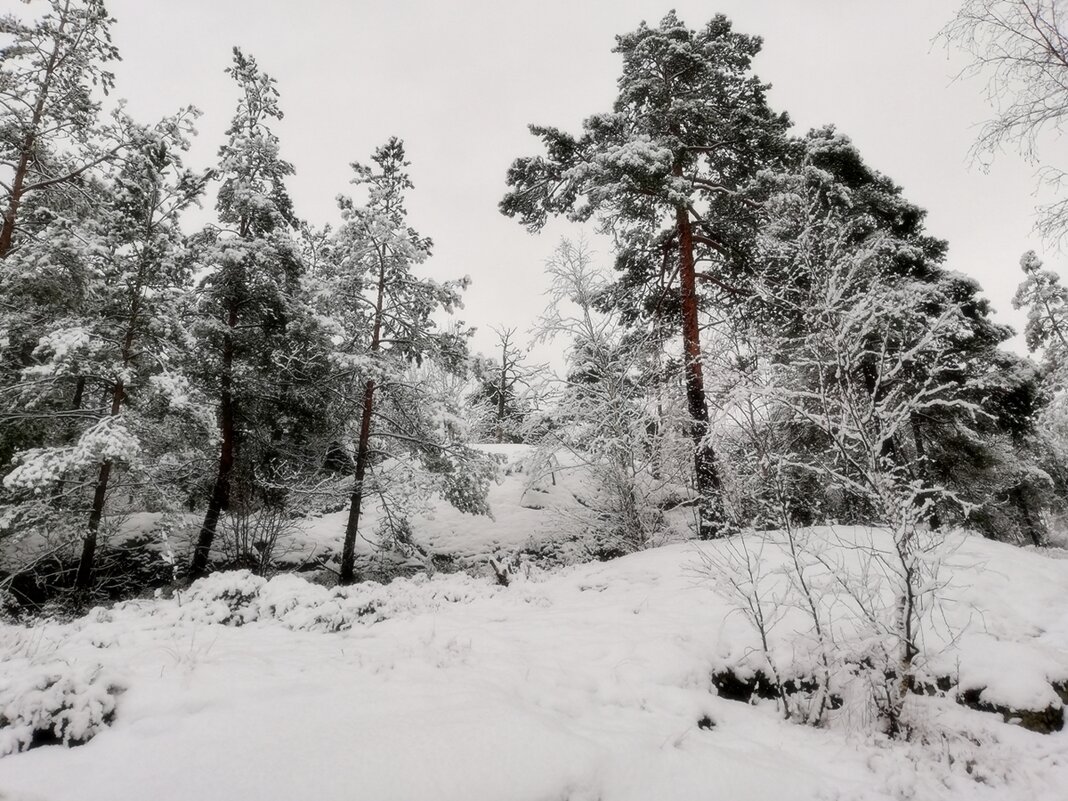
(582, 684)
(530, 505)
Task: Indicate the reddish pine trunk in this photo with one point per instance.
(220, 493)
(22, 168)
(118, 395)
(7, 233)
(347, 575)
(713, 521)
(352, 525)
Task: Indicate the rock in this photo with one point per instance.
(1043, 721)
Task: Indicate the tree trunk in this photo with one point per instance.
(220, 493)
(22, 168)
(79, 391)
(713, 520)
(347, 574)
(502, 387)
(352, 525)
(85, 564)
(118, 396)
(75, 405)
(1032, 528)
(7, 233)
(500, 409)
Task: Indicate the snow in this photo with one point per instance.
(105, 440)
(70, 703)
(528, 509)
(578, 683)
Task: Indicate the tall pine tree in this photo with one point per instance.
(48, 113)
(252, 315)
(664, 172)
(385, 312)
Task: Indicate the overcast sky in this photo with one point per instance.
(459, 81)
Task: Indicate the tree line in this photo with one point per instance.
(778, 341)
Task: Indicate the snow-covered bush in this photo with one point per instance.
(610, 417)
(234, 598)
(54, 703)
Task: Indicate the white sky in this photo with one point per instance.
(460, 80)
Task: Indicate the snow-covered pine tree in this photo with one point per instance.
(1045, 298)
(114, 282)
(829, 190)
(663, 171)
(261, 355)
(385, 314)
(49, 71)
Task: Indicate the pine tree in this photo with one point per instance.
(1046, 300)
(664, 171)
(48, 114)
(386, 319)
(831, 204)
(251, 304)
(117, 334)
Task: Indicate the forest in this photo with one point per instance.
(764, 380)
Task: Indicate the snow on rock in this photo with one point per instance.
(1016, 675)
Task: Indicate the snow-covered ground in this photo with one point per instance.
(533, 504)
(582, 683)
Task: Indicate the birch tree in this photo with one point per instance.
(603, 419)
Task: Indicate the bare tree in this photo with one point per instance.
(867, 351)
(604, 419)
(1021, 48)
(508, 382)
